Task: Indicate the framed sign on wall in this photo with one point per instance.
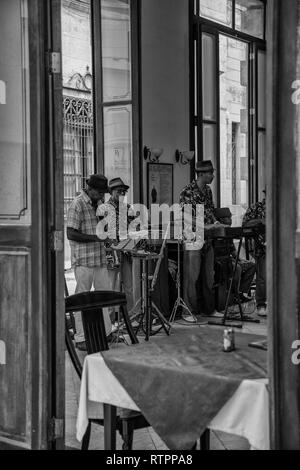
(160, 183)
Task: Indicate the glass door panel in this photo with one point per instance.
(116, 50)
(234, 155)
(78, 131)
(209, 91)
(118, 143)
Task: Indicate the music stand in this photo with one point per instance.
(148, 306)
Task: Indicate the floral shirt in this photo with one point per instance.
(257, 211)
(192, 195)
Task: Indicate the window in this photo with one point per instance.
(97, 79)
(234, 126)
(244, 16)
(217, 10)
(78, 134)
(261, 121)
(249, 17)
(99, 41)
(117, 89)
(228, 86)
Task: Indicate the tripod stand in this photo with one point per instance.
(148, 307)
(180, 303)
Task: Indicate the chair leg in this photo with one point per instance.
(205, 440)
(127, 434)
(86, 438)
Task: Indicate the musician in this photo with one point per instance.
(87, 251)
(199, 263)
(256, 214)
(245, 269)
(118, 190)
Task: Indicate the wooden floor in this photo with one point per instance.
(145, 439)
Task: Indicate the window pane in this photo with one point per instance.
(118, 143)
(15, 206)
(196, 143)
(116, 50)
(249, 17)
(261, 163)
(262, 89)
(210, 150)
(77, 101)
(209, 76)
(196, 76)
(217, 10)
(78, 131)
(234, 160)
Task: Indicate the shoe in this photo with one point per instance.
(81, 346)
(216, 314)
(262, 312)
(114, 327)
(188, 318)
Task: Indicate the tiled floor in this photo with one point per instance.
(144, 439)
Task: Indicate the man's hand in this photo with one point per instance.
(254, 222)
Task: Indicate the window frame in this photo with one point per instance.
(100, 104)
(198, 26)
(195, 6)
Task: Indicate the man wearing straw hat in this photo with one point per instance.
(199, 261)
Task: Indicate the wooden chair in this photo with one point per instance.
(90, 304)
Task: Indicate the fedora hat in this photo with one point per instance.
(117, 183)
(206, 166)
(98, 182)
(222, 213)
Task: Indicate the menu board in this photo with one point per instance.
(160, 183)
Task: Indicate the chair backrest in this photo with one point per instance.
(91, 305)
(94, 299)
(94, 330)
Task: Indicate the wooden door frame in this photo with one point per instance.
(48, 352)
(39, 348)
(55, 225)
(282, 154)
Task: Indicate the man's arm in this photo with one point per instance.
(210, 211)
(79, 237)
(254, 222)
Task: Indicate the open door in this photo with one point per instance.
(31, 226)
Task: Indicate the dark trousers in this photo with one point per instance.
(198, 278)
(261, 291)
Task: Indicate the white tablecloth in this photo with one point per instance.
(246, 414)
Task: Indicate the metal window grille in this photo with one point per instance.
(78, 146)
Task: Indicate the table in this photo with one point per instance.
(244, 414)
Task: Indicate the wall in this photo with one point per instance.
(165, 83)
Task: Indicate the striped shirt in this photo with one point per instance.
(82, 217)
